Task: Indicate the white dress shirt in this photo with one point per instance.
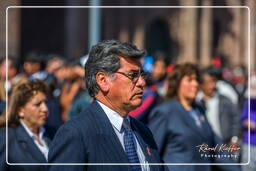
(42, 147)
(117, 120)
(212, 111)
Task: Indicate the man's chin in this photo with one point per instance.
(136, 103)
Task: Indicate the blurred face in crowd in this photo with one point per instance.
(61, 73)
(35, 111)
(188, 87)
(79, 70)
(208, 85)
(11, 70)
(31, 67)
(159, 70)
(124, 89)
(54, 65)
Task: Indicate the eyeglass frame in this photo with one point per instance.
(141, 73)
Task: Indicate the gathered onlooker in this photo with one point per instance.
(34, 69)
(74, 97)
(180, 127)
(82, 99)
(249, 124)
(56, 66)
(222, 114)
(33, 66)
(14, 79)
(54, 63)
(159, 73)
(28, 140)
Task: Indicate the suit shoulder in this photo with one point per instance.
(2, 136)
(166, 108)
(82, 123)
(11, 131)
(170, 104)
(83, 116)
(11, 136)
(225, 99)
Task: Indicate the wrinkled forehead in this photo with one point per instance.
(130, 62)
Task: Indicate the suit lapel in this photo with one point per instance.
(189, 120)
(147, 151)
(47, 139)
(145, 147)
(105, 128)
(28, 145)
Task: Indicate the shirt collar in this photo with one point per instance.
(30, 133)
(115, 119)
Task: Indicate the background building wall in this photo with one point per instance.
(184, 34)
(13, 28)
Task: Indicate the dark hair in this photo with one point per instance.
(211, 71)
(160, 56)
(174, 78)
(104, 57)
(34, 56)
(21, 95)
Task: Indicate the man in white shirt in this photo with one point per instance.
(221, 112)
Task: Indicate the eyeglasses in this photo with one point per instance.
(134, 75)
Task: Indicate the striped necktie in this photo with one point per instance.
(130, 146)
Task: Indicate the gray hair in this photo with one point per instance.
(104, 57)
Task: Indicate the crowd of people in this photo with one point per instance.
(194, 115)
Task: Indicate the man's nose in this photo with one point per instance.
(141, 82)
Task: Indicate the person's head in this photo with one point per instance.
(208, 81)
(114, 76)
(54, 63)
(78, 65)
(183, 82)
(28, 104)
(32, 63)
(11, 65)
(159, 68)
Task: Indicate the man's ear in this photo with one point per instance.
(103, 81)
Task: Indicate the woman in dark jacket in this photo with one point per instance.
(27, 141)
(180, 127)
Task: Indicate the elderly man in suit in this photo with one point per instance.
(104, 133)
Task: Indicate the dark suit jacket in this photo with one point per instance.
(21, 149)
(90, 138)
(177, 136)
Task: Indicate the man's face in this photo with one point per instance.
(159, 70)
(11, 70)
(31, 67)
(126, 93)
(208, 85)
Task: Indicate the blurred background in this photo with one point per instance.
(183, 34)
(51, 44)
